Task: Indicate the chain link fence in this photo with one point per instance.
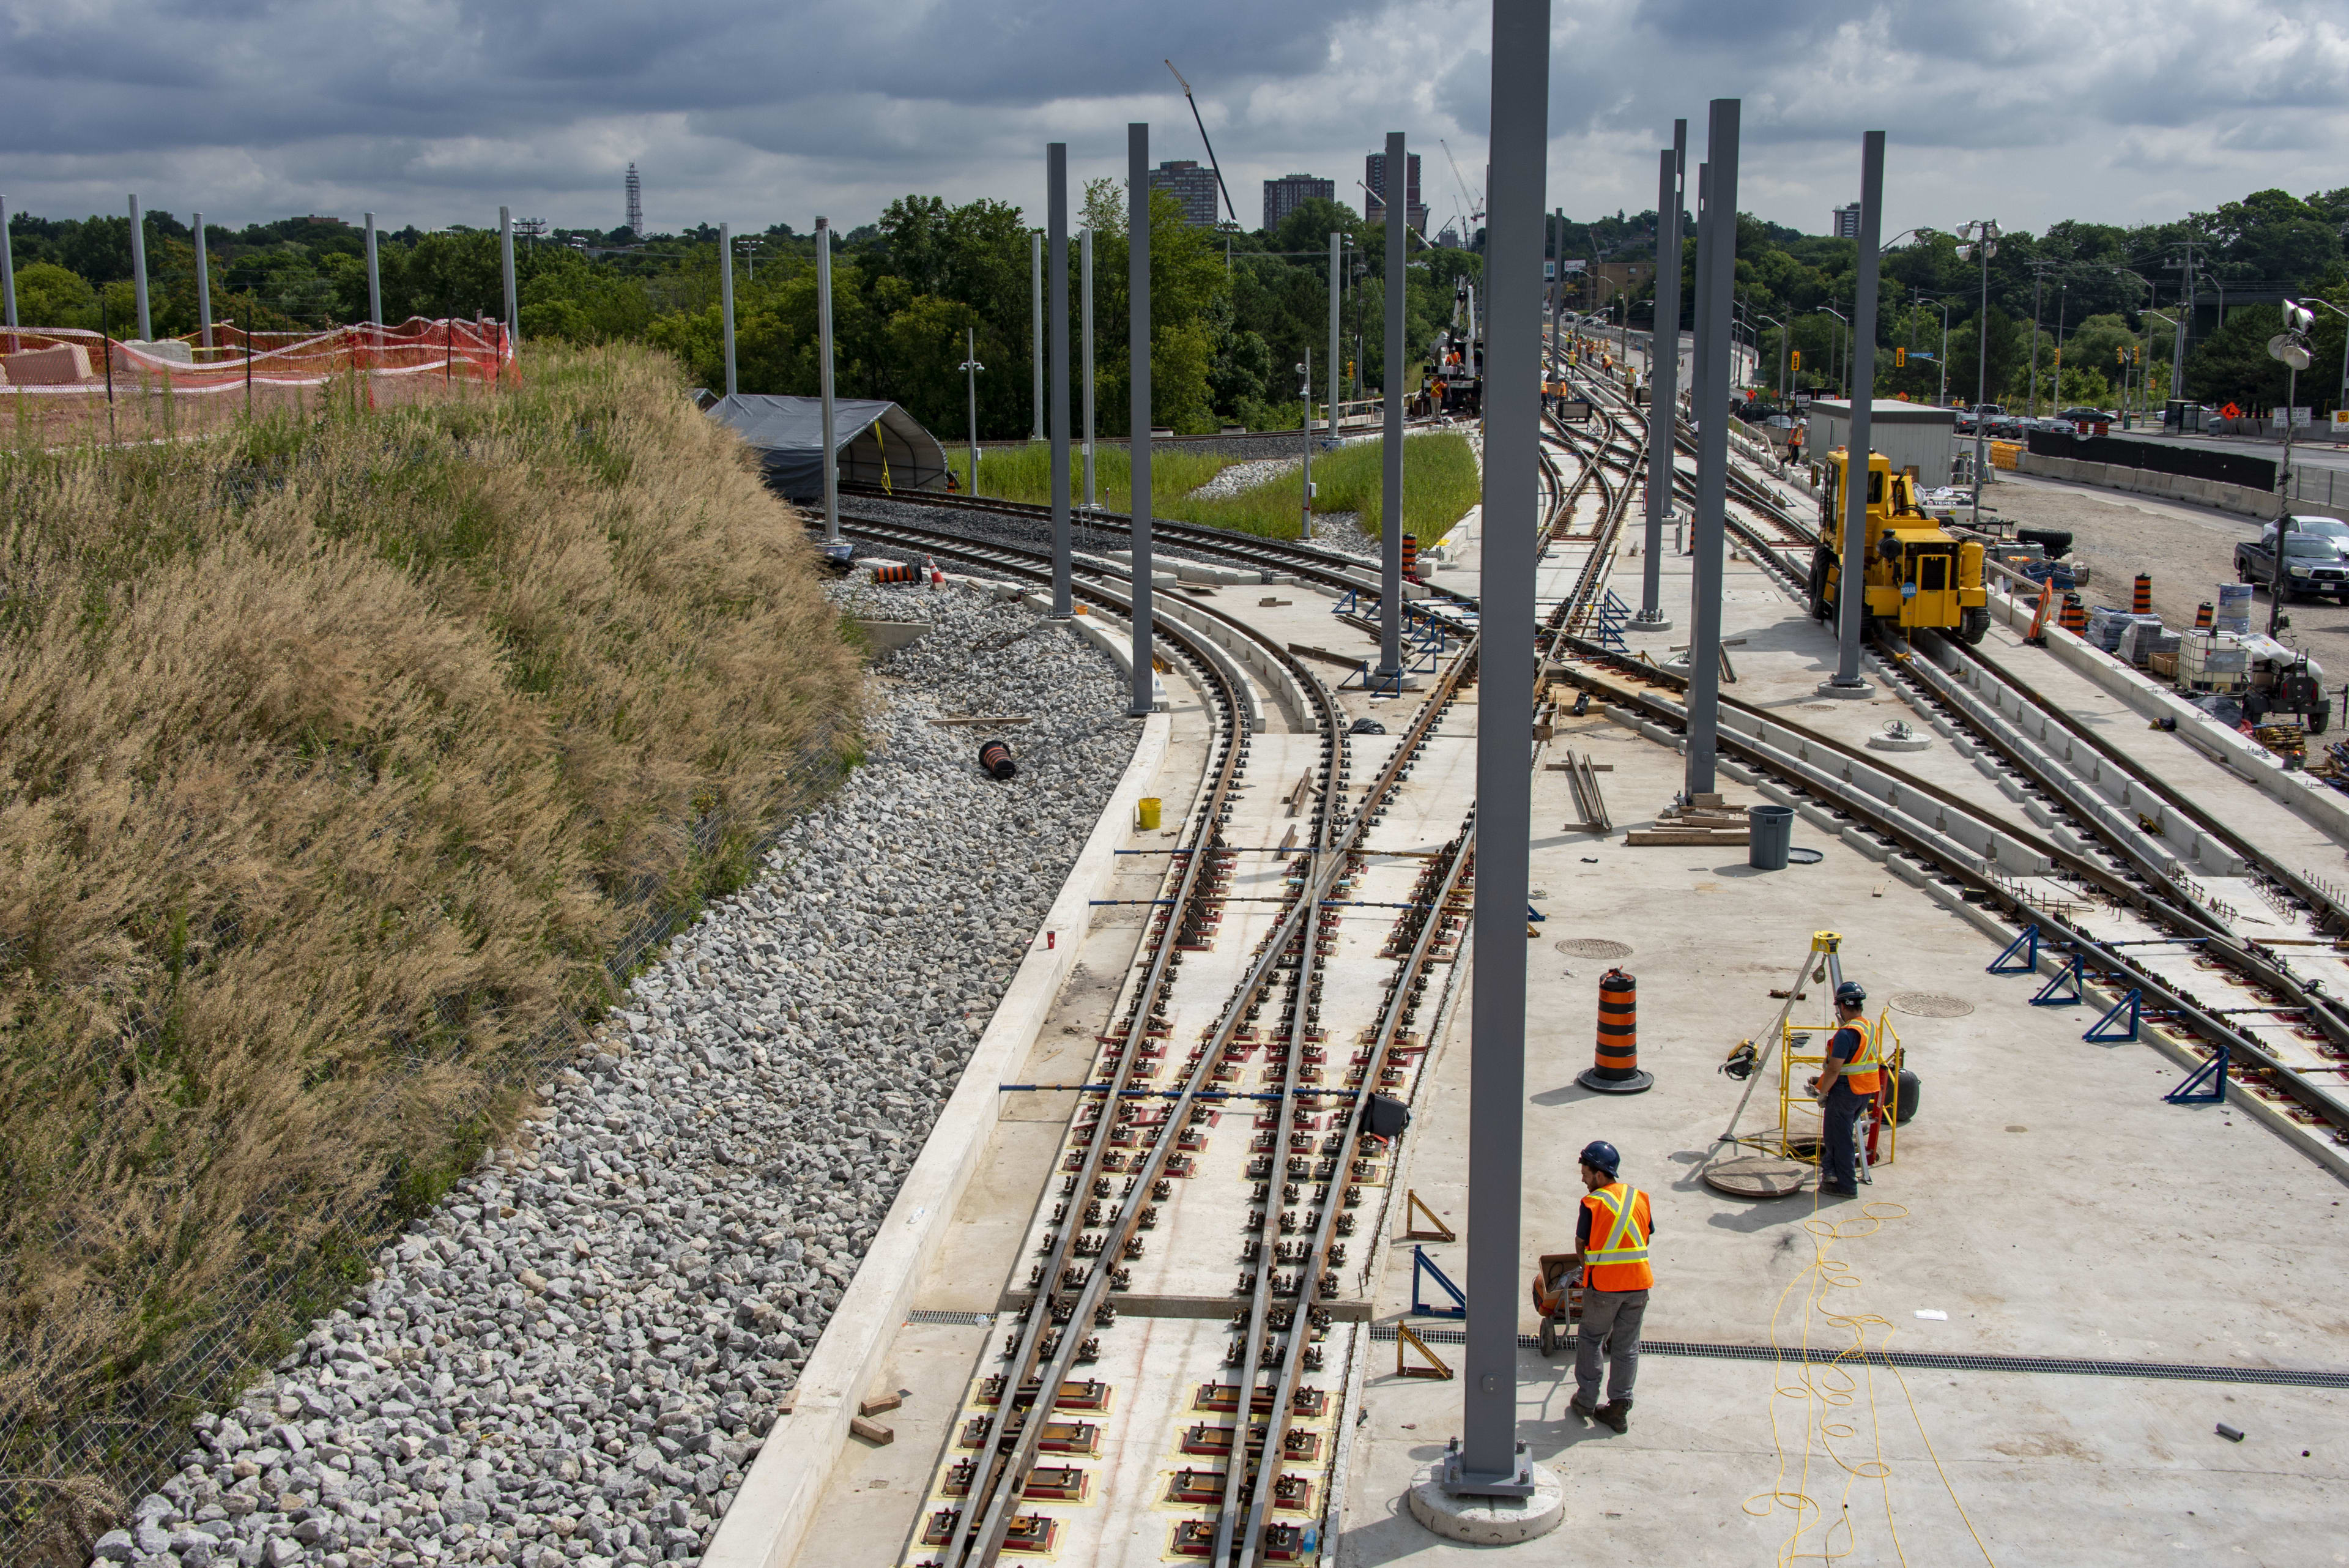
(65, 1480)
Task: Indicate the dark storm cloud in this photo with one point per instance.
(430, 107)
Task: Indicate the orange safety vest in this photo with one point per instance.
(1860, 1072)
(1617, 1256)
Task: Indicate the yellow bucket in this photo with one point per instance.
(1145, 814)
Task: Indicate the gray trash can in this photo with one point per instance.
(1770, 833)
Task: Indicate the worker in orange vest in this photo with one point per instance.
(1611, 1248)
(1847, 1089)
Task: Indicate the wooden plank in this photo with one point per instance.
(873, 1432)
(1350, 661)
(987, 719)
(1638, 837)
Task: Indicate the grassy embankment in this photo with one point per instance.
(341, 756)
(1440, 484)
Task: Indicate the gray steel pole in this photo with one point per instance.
(505, 260)
(1663, 377)
(138, 268)
(1085, 281)
(1851, 596)
(1056, 220)
(1699, 334)
(824, 378)
(1490, 1460)
(203, 284)
(1337, 345)
(1711, 444)
(375, 275)
(726, 300)
(1137, 347)
(2178, 342)
(1036, 320)
(1391, 506)
(8, 268)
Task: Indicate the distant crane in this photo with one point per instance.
(1201, 124)
(1475, 203)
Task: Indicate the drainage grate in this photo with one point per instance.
(1593, 948)
(2280, 1377)
(1930, 1004)
(960, 1319)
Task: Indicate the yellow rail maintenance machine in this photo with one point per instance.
(1918, 574)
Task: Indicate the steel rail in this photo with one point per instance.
(1008, 1474)
(2108, 959)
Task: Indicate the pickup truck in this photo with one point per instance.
(2315, 558)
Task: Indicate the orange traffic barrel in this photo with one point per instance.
(1615, 1068)
(2202, 613)
(1410, 556)
(2076, 615)
(2141, 601)
(899, 575)
(995, 760)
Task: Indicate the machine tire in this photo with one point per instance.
(1973, 624)
(1548, 1337)
(2317, 718)
(2253, 710)
(1821, 605)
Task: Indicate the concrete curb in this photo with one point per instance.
(2241, 499)
(778, 1500)
(2326, 808)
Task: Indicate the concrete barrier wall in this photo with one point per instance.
(2237, 498)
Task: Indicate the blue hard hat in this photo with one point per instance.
(1851, 993)
(1598, 1152)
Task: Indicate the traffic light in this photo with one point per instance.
(1900, 358)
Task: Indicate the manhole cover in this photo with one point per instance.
(1927, 1004)
(1757, 1176)
(1593, 948)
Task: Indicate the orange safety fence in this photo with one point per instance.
(75, 361)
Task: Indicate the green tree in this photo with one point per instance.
(49, 295)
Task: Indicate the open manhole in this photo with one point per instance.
(1594, 947)
(1931, 1004)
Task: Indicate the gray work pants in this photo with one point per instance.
(1610, 1322)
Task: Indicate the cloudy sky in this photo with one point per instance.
(435, 111)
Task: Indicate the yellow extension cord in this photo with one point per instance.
(1828, 1386)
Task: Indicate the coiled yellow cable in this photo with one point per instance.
(1827, 1388)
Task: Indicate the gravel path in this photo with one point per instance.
(575, 1358)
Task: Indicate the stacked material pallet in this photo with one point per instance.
(1702, 819)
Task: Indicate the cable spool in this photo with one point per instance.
(1615, 1066)
(995, 761)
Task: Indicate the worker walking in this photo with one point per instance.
(1846, 1090)
(1611, 1247)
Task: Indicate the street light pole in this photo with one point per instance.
(1984, 234)
(2344, 345)
(1305, 497)
(970, 367)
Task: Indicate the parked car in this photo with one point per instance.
(2315, 558)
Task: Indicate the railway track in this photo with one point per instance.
(2285, 1032)
(1146, 1203)
(1092, 1231)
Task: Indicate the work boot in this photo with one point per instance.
(1581, 1407)
(1615, 1415)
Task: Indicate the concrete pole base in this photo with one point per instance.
(1646, 622)
(1858, 690)
(1488, 1521)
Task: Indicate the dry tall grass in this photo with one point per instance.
(335, 755)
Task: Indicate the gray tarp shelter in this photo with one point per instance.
(878, 442)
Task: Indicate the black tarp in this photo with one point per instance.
(2194, 462)
(878, 442)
